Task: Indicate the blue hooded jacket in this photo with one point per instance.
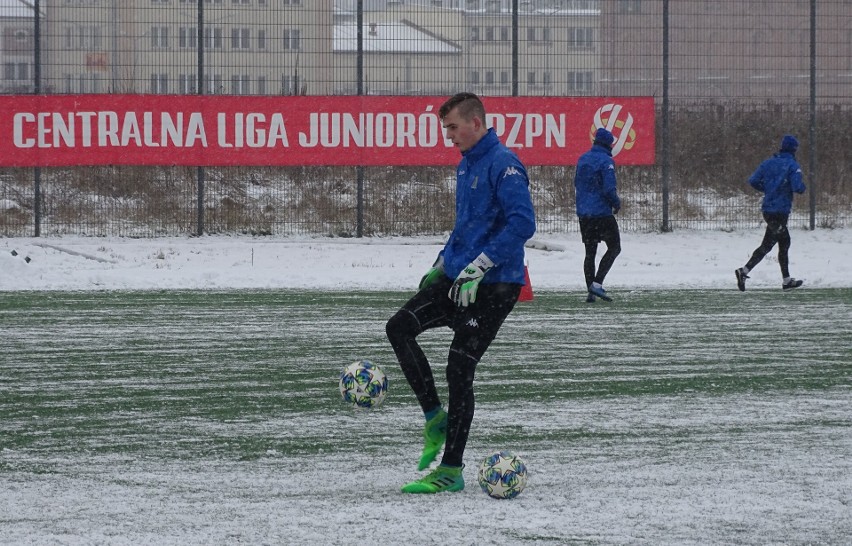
(595, 185)
(494, 212)
(778, 177)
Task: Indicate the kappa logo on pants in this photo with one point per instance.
(472, 323)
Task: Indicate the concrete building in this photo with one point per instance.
(754, 50)
(718, 50)
(151, 46)
(17, 25)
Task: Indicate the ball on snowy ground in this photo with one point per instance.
(502, 475)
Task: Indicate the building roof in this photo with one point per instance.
(17, 8)
(396, 37)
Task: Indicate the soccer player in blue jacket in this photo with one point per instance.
(597, 204)
(777, 177)
(471, 288)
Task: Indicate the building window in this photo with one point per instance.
(489, 77)
(159, 83)
(580, 82)
(213, 37)
(292, 2)
(504, 34)
(16, 71)
(531, 34)
(629, 6)
(287, 87)
(474, 77)
(474, 34)
(188, 37)
(504, 78)
(160, 37)
(82, 38)
(530, 78)
(581, 37)
(261, 39)
(261, 85)
(292, 39)
(97, 44)
(489, 34)
(187, 84)
(240, 38)
(240, 85)
(214, 85)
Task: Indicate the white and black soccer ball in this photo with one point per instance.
(502, 475)
(363, 384)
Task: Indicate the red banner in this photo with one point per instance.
(66, 130)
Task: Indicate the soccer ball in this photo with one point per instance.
(363, 384)
(502, 475)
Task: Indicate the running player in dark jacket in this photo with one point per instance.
(597, 203)
(777, 177)
(471, 288)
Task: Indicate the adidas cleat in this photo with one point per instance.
(443, 479)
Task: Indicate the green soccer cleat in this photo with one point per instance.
(434, 436)
(443, 479)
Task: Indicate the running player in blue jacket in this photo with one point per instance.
(597, 204)
(471, 288)
(777, 177)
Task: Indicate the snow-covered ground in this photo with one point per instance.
(716, 465)
(686, 259)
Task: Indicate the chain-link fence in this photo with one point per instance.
(728, 77)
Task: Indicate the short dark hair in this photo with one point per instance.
(468, 104)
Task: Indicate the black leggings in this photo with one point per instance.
(594, 230)
(776, 232)
(475, 328)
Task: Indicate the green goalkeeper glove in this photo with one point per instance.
(433, 274)
(463, 291)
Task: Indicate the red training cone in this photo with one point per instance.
(526, 290)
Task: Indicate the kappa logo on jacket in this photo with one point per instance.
(510, 171)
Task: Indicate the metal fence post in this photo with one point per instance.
(200, 171)
(37, 91)
(359, 169)
(666, 137)
(812, 149)
(515, 32)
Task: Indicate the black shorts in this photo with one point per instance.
(776, 222)
(595, 229)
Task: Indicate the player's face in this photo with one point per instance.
(464, 133)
